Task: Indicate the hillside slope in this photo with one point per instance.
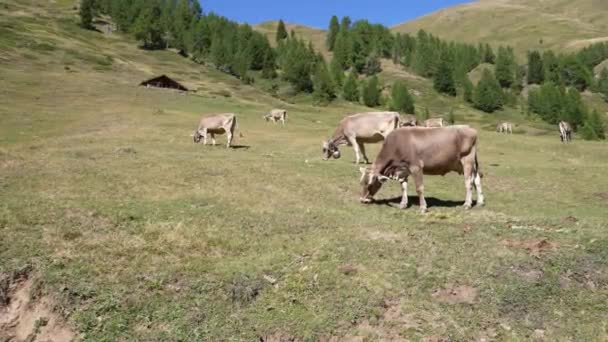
(523, 24)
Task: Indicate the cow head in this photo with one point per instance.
(370, 184)
(197, 137)
(330, 150)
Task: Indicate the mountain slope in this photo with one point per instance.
(315, 35)
(524, 24)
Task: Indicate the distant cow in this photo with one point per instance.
(565, 131)
(354, 130)
(276, 115)
(216, 124)
(505, 127)
(422, 151)
(435, 122)
(408, 120)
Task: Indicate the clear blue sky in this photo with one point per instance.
(317, 13)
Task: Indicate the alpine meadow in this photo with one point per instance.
(124, 215)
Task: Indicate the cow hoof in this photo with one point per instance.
(480, 205)
(366, 200)
(403, 206)
(467, 207)
(424, 210)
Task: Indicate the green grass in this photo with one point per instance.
(142, 235)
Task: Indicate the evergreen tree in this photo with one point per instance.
(547, 102)
(467, 90)
(488, 95)
(574, 73)
(86, 13)
(451, 117)
(551, 67)
(334, 29)
(602, 83)
(594, 128)
(269, 64)
(337, 72)
(488, 54)
(371, 92)
(324, 88)
(343, 49)
(345, 24)
(372, 65)
(148, 27)
(505, 67)
(298, 65)
(443, 82)
(350, 90)
(536, 70)
(401, 100)
(573, 110)
(281, 31)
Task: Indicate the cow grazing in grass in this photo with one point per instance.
(414, 151)
(505, 127)
(408, 120)
(565, 131)
(276, 115)
(357, 129)
(216, 124)
(435, 122)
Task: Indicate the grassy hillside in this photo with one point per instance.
(316, 36)
(129, 231)
(523, 24)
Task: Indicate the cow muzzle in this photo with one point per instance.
(366, 200)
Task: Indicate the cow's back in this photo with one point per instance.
(367, 125)
(216, 121)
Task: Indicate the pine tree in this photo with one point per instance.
(602, 83)
(593, 128)
(345, 24)
(467, 90)
(401, 100)
(488, 54)
(334, 29)
(324, 88)
(281, 31)
(337, 73)
(536, 70)
(574, 110)
(505, 67)
(551, 67)
(350, 90)
(86, 13)
(451, 117)
(443, 82)
(343, 50)
(574, 73)
(488, 95)
(269, 65)
(148, 26)
(372, 65)
(371, 92)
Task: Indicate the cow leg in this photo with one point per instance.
(205, 136)
(212, 139)
(229, 136)
(355, 143)
(468, 183)
(480, 199)
(420, 190)
(362, 149)
(403, 204)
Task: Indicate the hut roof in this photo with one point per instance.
(164, 81)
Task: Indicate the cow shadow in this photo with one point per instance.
(414, 201)
(240, 147)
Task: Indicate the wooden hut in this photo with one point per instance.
(163, 81)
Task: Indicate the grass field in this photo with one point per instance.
(135, 233)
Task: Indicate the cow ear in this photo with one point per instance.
(383, 179)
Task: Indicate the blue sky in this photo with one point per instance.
(317, 13)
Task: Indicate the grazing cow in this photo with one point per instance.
(435, 122)
(505, 127)
(565, 131)
(216, 124)
(425, 151)
(354, 130)
(276, 115)
(408, 120)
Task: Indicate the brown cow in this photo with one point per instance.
(408, 120)
(425, 151)
(216, 124)
(354, 130)
(276, 115)
(434, 122)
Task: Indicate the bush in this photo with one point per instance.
(371, 92)
(488, 95)
(401, 100)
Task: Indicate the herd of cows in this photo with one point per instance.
(408, 149)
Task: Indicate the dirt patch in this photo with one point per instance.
(457, 294)
(534, 247)
(348, 269)
(27, 318)
(570, 219)
(388, 326)
(529, 275)
(601, 195)
(279, 337)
